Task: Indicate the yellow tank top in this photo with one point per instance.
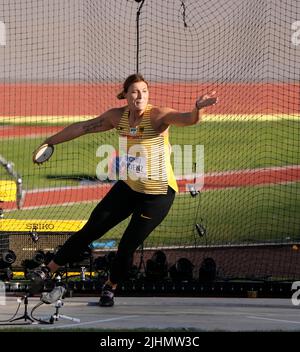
(144, 156)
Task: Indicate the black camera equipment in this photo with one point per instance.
(7, 258)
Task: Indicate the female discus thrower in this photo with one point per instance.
(147, 192)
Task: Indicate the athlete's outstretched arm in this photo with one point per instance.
(99, 124)
(173, 117)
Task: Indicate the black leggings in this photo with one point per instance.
(147, 210)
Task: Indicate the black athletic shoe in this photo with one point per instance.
(107, 297)
(38, 278)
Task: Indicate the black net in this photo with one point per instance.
(65, 61)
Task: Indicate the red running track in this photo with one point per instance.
(27, 131)
(23, 99)
(213, 181)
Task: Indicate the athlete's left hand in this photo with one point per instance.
(205, 100)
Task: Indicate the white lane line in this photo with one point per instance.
(276, 320)
(75, 325)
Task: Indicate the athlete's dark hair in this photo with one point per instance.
(136, 77)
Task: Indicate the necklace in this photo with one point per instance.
(134, 124)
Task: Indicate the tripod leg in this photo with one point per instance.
(25, 316)
(67, 317)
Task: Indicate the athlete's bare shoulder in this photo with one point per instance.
(114, 115)
(159, 111)
(157, 115)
